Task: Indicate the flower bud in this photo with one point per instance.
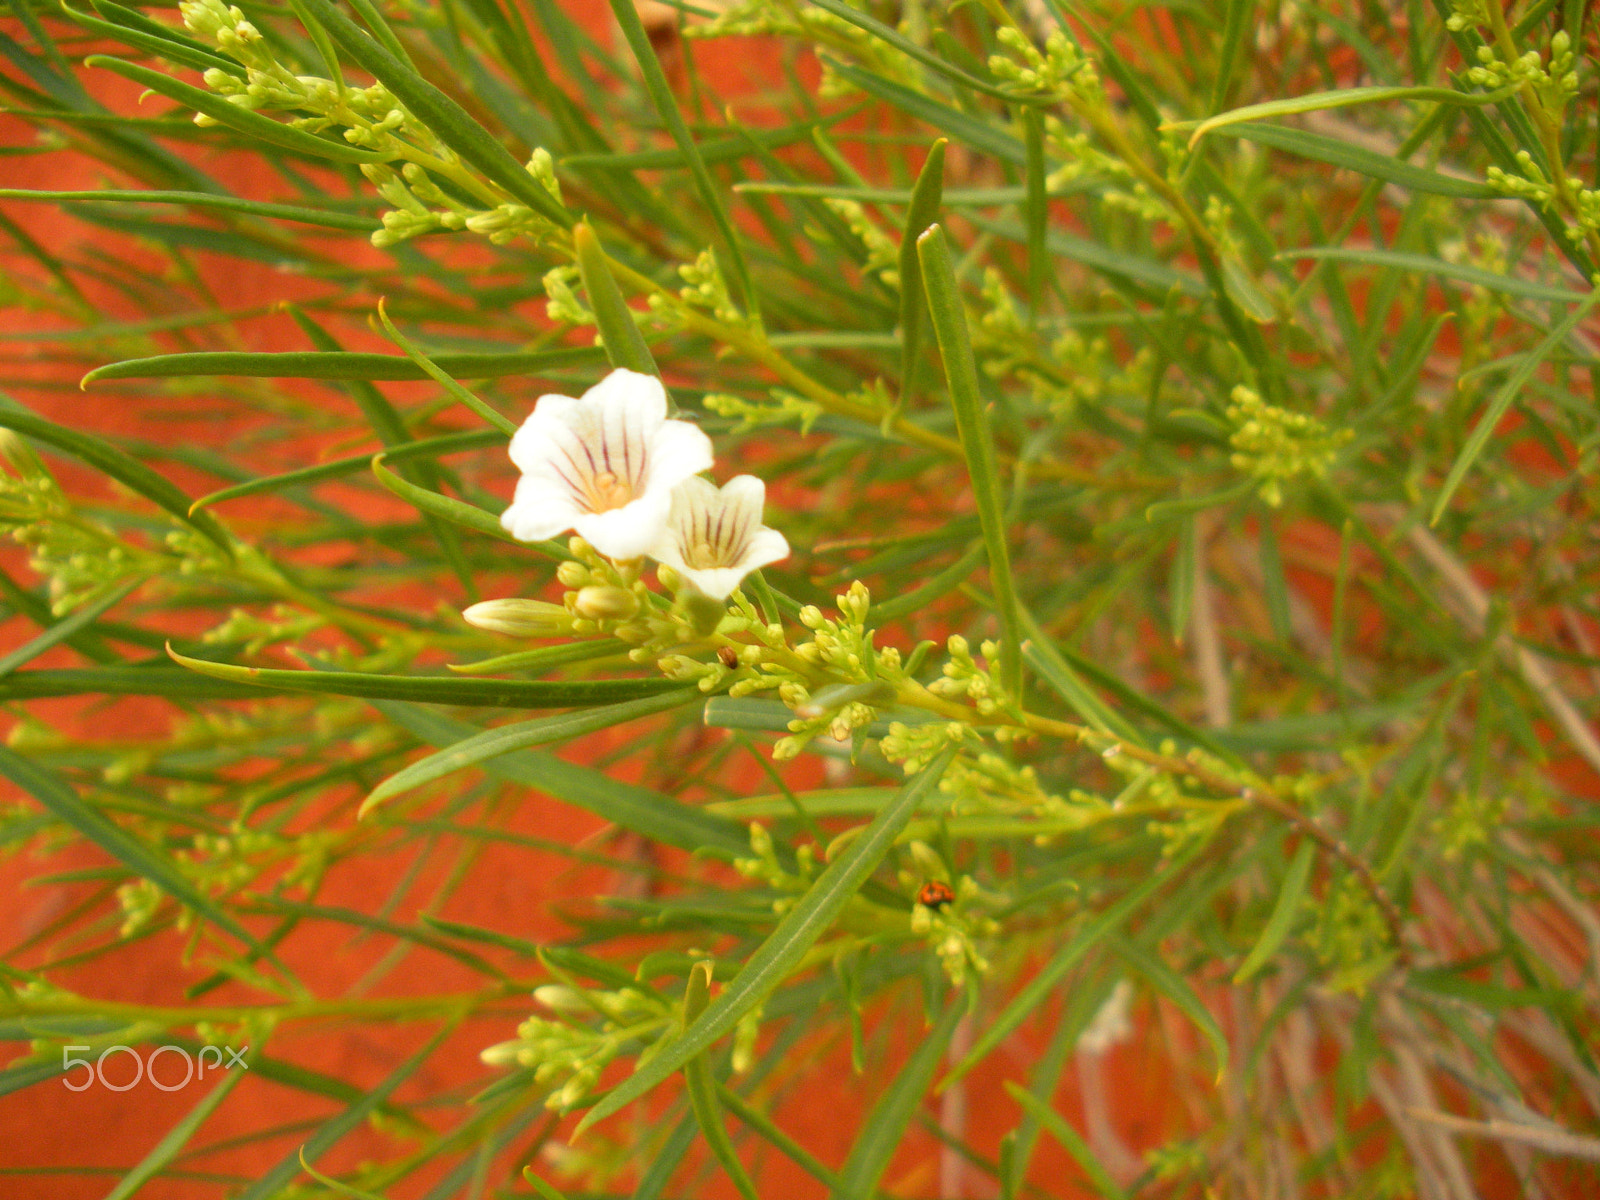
(520, 618)
(605, 604)
(560, 998)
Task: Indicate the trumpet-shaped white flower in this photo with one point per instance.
(714, 537)
(603, 465)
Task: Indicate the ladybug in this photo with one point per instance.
(935, 894)
(729, 656)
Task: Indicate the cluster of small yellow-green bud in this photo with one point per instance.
(1532, 185)
(753, 415)
(882, 251)
(1555, 82)
(863, 676)
(139, 900)
(948, 924)
(1467, 14)
(224, 27)
(411, 192)
(1074, 370)
(1276, 445)
(763, 865)
(575, 1053)
(370, 116)
(780, 18)
(507, 222)
(601, 595)
(284, 624)
(1001, 321)
(915, 746)
(1114, 181)
(704, 288)
(1060, 69)
(1349, 934)
(1469, 822)
(963, 677)
(818, 27)
(215, 863)
(990, 783)
(562, 304)
(80, 560)
(196, 553)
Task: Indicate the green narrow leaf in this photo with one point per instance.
(321, 40)
(135, 29)
(1135, 268)
(50, 790)
(1361, 160)
(435, 689)
(1071, 1141)
(175, 1139)
(884, 1128)
(649, 813)
(1342, 98)
(890, 36)
(1040, 986)
(63, 629)
(952, 122)
(926, 198)
(447, 119)
(255, 208)
(1172, 985)
(504, 424)
(348, 364)
(1245, 293)
(1234, 27)
(977, 441)
(373, 19)
(1463, 272)
(702, 1088)
(274, 1181)
(122, 467)
(1274, 583)
(624, 344)
(765, 1127)
(1284, 912)
(243, 120)
(171, 682)
(931, 588)
(451, 509)
(391, 429)
(799, 929)
(1042, 655)
(492, 743)
(1180, 587)
(660, 92)
(450, 443)
(1502, 401)
(1036, 211)
(540, 1186)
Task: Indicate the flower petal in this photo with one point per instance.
(631, 531)
(539, 510)
(714, 538)
(678, 451)
(604, 464)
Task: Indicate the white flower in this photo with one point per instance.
(715, 538)
(603, 465)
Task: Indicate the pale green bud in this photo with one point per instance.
(605, 603)
(520, 618)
